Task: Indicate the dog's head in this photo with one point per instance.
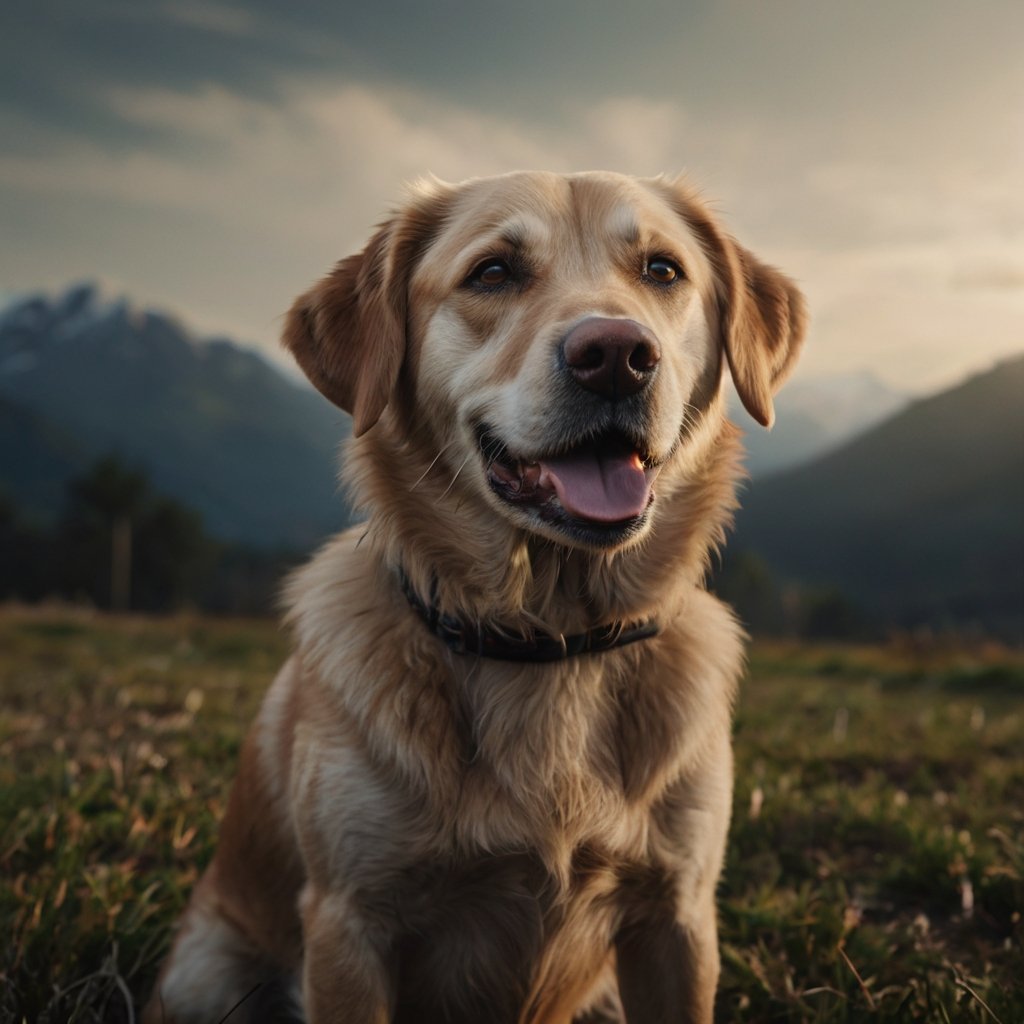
(558, 339)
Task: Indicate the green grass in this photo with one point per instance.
(875, 868)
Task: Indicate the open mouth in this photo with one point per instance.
(598, 490)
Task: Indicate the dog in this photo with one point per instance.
(494, 781)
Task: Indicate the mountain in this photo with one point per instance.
(212, 424)
(920, 520)
(815, 416)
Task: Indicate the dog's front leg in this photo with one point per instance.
(344, 977)
(667, 970)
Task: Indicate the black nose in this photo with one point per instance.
(612, 358)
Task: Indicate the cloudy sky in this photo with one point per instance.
(214, 158)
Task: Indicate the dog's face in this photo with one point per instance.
(563, 335)
(559, 336)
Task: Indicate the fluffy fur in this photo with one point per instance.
(421, 836)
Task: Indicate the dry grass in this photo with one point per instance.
(875, 872)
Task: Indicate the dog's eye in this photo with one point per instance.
(662, 270)
(491, 273)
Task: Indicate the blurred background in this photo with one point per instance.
(173, 174)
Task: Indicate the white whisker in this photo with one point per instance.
(430, 467)
(457, 472)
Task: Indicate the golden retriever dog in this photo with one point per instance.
(493, 783)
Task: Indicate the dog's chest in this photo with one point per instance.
(497, 938)
(545, 765)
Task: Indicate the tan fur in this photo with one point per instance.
(419, 835)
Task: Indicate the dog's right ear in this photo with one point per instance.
(348, 332)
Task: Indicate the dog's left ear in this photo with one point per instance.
(765, 321)
(761, 312)
(348, 332)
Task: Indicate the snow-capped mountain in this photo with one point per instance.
(213, 424)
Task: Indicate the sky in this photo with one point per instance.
(214, 158)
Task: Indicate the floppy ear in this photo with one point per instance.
(762, 313)
(348, 332)
(764, 324)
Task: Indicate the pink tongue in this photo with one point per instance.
(605, 487)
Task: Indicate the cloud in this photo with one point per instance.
(328, 148)
(891, 308)
(223, 200)
(990, 275)
(211, 17)
(249, 199)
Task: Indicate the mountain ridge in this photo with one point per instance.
(213, 424)
(815, 416)
(921, 517)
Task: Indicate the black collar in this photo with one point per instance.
(464, 638)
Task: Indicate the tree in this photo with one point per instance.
(123, 546)
(828, 614)
(25, 550)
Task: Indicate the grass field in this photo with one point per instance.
(875, 870)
